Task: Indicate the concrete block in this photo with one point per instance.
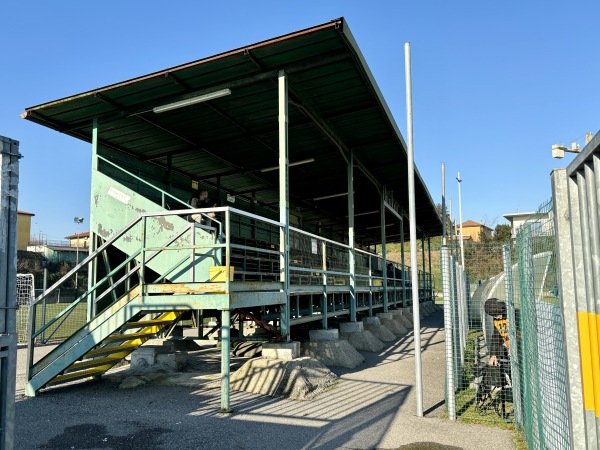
(386, 315)
(324, 335)
(395, 327)
(364, 340)
(161, 345)
(371, 321)
(381, 332)
(172, 361)
(281, 350)
(143, 357)
(352, 327)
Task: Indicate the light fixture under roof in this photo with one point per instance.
(325, 197)
(192, 101)
(296, 163)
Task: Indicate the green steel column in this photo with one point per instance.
(424, 282)
(284, 207)
(92, 267)
(383, 250)
(430, 284)
(402, 260)
(351, 250)
(324, 298)
(225, 363)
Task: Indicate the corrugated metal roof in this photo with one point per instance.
(335, 107)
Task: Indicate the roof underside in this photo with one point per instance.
(334, 107)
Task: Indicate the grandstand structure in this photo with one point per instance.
(294, 141)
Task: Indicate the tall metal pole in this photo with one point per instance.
(9, 194)
(444, 204)
(351, 250)
(462, 248)
(413, 234)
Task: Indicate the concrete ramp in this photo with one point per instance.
(297, 379)
(337, 353)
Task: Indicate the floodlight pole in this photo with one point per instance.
(443, 204)
(413, 234)
(462, 248)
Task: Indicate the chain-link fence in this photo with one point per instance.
(504, 329)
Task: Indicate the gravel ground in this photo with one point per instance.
(372, 406)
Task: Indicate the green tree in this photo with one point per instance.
(502, 233)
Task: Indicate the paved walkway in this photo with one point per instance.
(373, 406)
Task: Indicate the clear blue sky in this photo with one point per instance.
(495, 84)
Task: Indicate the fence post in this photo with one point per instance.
(450, 377)
(512, 329)
(9, 194)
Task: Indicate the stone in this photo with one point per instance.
(172, 361)
(394, 326)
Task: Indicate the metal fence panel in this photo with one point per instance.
(577, 209)
(522, 329)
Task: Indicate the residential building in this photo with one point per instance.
(475, 231)
(23, 229)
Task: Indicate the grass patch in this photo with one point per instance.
(62, 329)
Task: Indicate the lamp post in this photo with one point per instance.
(78, 221)
(462, 248)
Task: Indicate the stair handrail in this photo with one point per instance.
(87, 259)
(163, 193)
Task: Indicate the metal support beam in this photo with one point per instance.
(284, 206)
(383, 252)
(351, 250)
(9, 194)
(92, 267)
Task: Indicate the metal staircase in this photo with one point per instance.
(179, 252)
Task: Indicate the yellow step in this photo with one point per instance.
(130, 336)
(148, 323)
(89, 363)
(77, 375)
(115, 349)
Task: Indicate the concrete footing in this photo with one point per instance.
(158, 352)
(351, 327)
(297, 379)
(380, 331)
(281, 350)
(333, 353)
(324, 335)
(363, 340)
(401, 318)
(387, 320)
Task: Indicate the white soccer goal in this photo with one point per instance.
(25, 297)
